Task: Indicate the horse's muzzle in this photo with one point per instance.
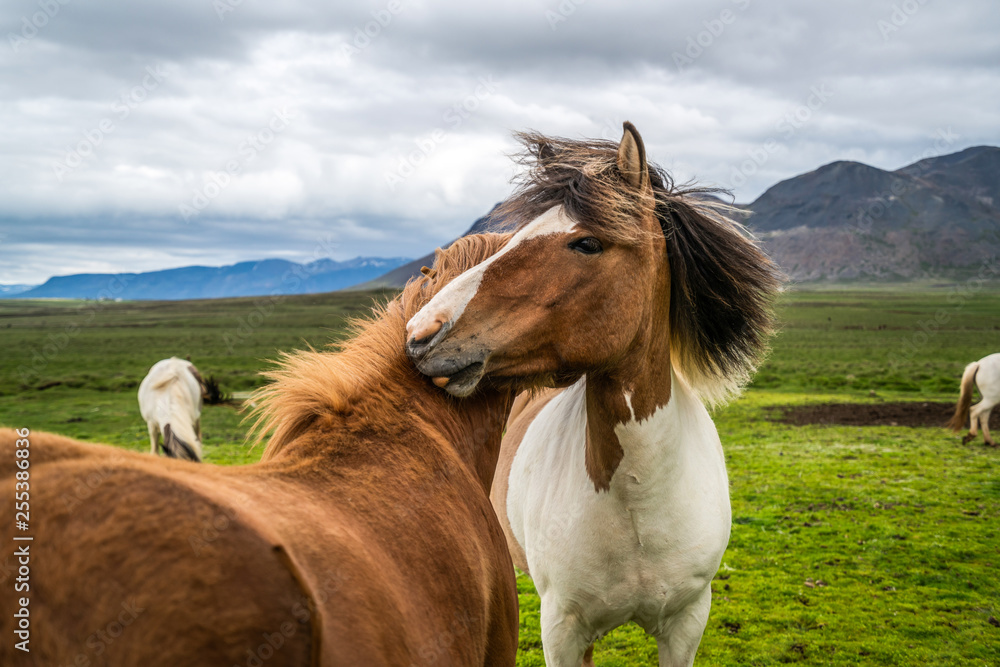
(455, 366)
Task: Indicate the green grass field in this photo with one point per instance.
(850, 545)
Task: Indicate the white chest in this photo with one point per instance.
(650, 542)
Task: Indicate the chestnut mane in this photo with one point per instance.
(309, 383)
(722, 283)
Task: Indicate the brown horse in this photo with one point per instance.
(613, 492)
(364, 537)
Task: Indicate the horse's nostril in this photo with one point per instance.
(418, 347)
(416, 342)
(423, 334)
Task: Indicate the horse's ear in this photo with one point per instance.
(632, 157)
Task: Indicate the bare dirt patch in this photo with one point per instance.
(910, 413)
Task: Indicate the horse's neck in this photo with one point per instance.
(632, 392)
(474, 427)
(470, 427)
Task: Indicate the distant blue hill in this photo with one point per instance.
(11, 290)
(266, 277)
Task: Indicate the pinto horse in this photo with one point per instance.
(641, 302)
(365, 536)
(984, 374)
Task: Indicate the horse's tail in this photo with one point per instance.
(176, 447)
(961, 415)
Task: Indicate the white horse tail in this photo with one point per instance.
(961, 416)
(177, 447)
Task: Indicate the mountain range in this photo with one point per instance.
(938, 219)
(266, 277)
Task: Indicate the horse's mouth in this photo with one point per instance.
(455, 366)
(463, 382)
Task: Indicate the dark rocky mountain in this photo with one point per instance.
(974, 172)
(266, 277)
(938, 218)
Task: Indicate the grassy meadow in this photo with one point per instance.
(850, 545)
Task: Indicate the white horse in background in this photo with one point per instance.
(170, 399)
(984, 374)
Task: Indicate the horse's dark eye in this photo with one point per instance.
(588, 246)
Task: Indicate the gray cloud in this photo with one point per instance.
(396, 119)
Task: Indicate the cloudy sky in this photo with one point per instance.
(148, 135)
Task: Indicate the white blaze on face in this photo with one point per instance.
(449, 304)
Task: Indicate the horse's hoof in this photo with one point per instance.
(967, 439)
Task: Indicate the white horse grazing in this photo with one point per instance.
(984, 374)
(170, 401)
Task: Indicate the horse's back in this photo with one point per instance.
(171, 378)
(138, 569)
(988, 378)
(48, 447)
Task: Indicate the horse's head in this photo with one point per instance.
(569, 289)
(610, 263)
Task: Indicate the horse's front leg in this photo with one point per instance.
(678, 639)
(565, 637)
(154, 436)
